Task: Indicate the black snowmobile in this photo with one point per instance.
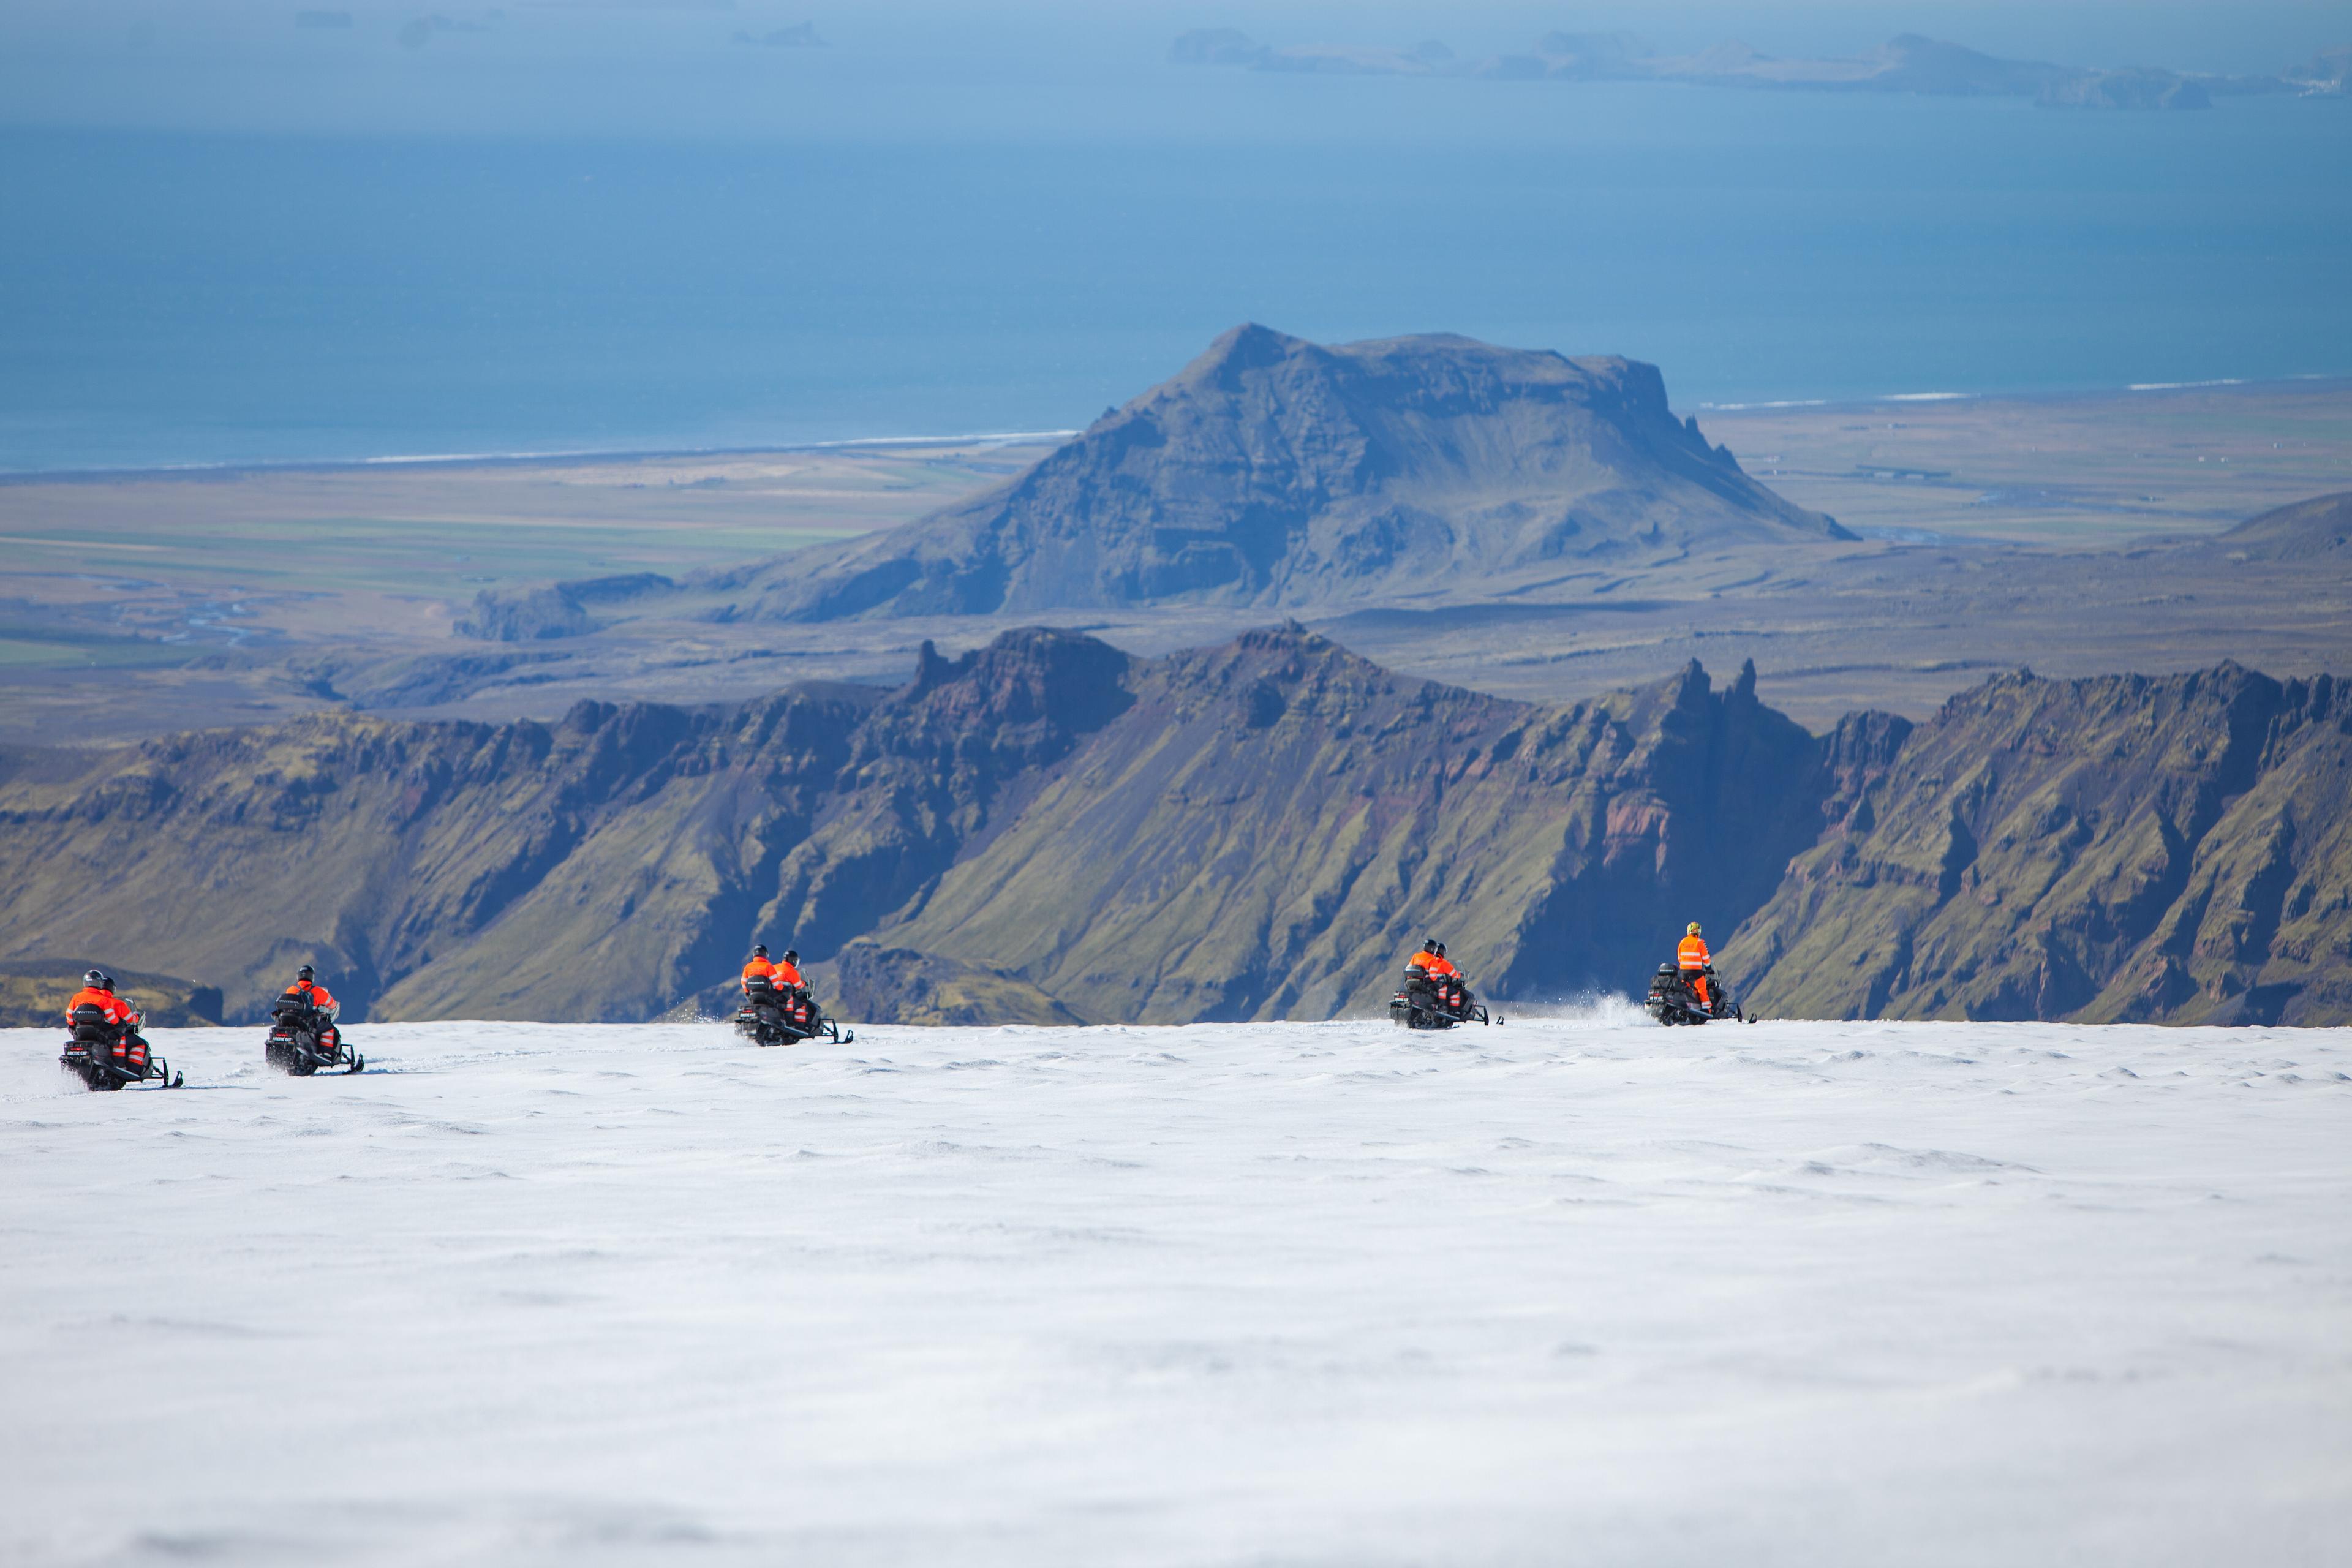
(106, 1056)
(302, 1040)
(1674, 1000)
(1435, 1004)
(784, 1015)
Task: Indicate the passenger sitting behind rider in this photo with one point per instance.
(98, 990)
(1437, 972)
(779, 977)
(121, 1033)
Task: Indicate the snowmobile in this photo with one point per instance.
(302, 1040)
(1426, 1003)
(105, 1055)
(1674, 1000)
(784, 1015)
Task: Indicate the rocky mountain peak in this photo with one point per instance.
(1274, 472)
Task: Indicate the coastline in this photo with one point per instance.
(588, 457)
(582, 457)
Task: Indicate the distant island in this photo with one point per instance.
(1906, 64)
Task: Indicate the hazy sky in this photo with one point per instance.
(567, 67)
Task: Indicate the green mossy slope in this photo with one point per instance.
(2127, 848)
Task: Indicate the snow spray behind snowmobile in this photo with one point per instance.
(302, 1040)
(784, 1015)
(1674, 1000)
(106, 1056)
(1430, 1004)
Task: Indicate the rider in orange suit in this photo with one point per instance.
(1443, 978)
(761, 967)
(97, 988)
(306, 990)
(1693, 959)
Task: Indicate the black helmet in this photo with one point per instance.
(106, 982)
(758, 949)
(1438, 948)
(791, 955)
(304, 974)
(95, 977)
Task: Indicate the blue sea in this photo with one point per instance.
(942, 246)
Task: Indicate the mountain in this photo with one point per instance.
(1267, 825)
(2315, 529)
(1044, 826)
(2127, 848)
(1276, 473)
(1049, 829)
(599, 868)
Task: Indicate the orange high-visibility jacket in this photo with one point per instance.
(117, 1009)
(1693, 953)
(777, 974)
(312, 995)
(789, 975)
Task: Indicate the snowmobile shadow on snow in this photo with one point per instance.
(107, 1056)
(1672, 999)
(773, 1015)
(303, 1041)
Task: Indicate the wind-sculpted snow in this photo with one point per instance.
(1572, 1290)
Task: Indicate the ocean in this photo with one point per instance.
(1019, 254)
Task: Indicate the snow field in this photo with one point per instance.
(1571, 1291)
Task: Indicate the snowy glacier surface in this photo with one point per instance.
(1571, 1291)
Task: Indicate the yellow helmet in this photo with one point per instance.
(1693, 928)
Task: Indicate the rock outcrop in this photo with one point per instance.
(559, 611)
(33, 994)
(1276, 473)
(1255, 830)
(2128, 849)
(2319, 529)
(1046, 828)
(1270, 826)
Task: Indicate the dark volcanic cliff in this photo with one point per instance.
(1046, 830)
(1274, 471)
(1270, 822)
(1041, 825)
(2121, 849)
